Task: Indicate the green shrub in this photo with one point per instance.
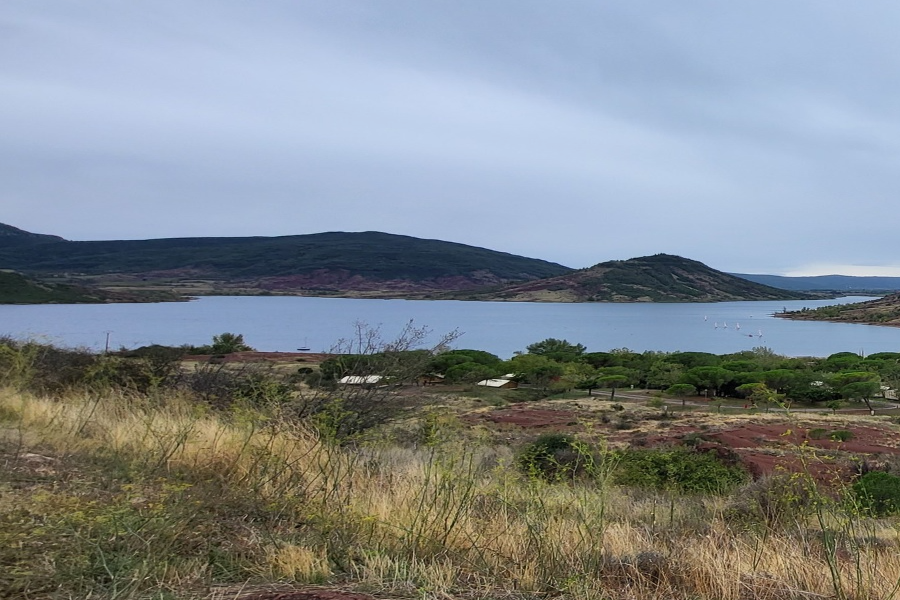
(553, 457)
(819, 433)
(677, 469)
(221, 385)
(776, 500)
(878, 492)
(841, 435)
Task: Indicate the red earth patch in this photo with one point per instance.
(763, 447)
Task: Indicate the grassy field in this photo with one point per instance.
(115, 495)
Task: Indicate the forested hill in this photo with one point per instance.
(327, 262)
(657, 278)
(13, 236)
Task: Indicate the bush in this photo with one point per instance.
(878, 492)
(44, 369)
(221, 385)
(553, 457)
(819, 433)
(776, 500)
(679, 470)
(841, 435)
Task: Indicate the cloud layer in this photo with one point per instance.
(755, 137)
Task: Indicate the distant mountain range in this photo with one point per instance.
(657, 278)
(831, 283)
(373, 264)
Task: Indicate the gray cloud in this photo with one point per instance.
(756, 137)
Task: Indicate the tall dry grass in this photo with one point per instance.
(161, 498)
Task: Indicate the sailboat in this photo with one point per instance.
(304, 347)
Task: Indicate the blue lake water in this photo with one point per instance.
(286, 323)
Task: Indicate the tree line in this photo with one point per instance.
(758, 375)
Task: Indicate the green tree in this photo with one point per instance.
(226, 343)
(663, 375)
(857, 385)
(707, 378)
(602, 359)
(471, 372)
(558, 350)
(681, 390)
(535, 369)
(690, 360)
(612, 382)
(445, 360)
(465, 366)
(779, 379)
(861, 390)
(580, 375)
(842, 361)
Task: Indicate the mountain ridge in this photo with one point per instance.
(320, 263)
(10, 236)
(829, 283)
(654, 278)
(365, 264)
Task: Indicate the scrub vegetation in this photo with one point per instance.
(16, 288)
(142, 474)
(879, 311)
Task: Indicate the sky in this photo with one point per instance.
(756, 137)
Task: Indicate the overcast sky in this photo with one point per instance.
(756, 137)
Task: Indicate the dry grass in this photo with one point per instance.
(162, 499)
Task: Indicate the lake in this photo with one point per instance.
(279, 323)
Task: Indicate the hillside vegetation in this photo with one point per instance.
(368, 264)
(880, 311)
(657, 278)
(16, 288)
(13, 236)
(323, 262)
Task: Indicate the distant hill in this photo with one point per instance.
(830, 283)
(13, 236)
(880, 311)
(657, 278)
(325, 263)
